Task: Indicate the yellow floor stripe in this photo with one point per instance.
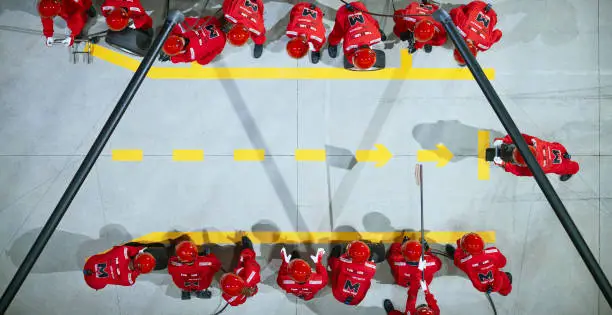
(404, 72)
(484, 170)
(219, 237)
(127, 155)
(188, 155)
(310, 155)
(249, 155)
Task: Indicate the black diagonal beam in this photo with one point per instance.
(551, 195)
(173, 18)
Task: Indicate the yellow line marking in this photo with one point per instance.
(381, 155)
(249, 155)
(442, 155)
(484, 170)
(221, 237)
(127, 155)
(188, 155)
(310, 155)
(194, 71)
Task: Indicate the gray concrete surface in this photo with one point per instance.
(552, 71)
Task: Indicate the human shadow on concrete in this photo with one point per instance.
(460, 139)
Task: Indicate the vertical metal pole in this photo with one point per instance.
(538, 174)
(173, 18)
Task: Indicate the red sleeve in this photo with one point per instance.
(321, 271)
(517, 170)
(251, 272)
(283, 275)
(337, 33)
(181, 58)
(457, 259)
(216, 264)
(432, 303)
(498, 257)
(528, 138)
(439, 39)
(411, 302)
(496, 35)
(47, 26)
(395, 253)
(437, 261)
(458, 15)
(571, 167)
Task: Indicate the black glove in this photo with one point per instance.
(426, 246)
(163, 57)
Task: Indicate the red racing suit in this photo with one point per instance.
(135, 11)
(206, 40)
(475, 25)
(550, 155)
(196, 276)
(357, 29)
(75, 14)
(250, 13)
(350, 281)
(247, 269)
(483, 270)
(431, 302)
(112, 267)
(407, 23)
(408, 275)
(305, 291)
(307, 19)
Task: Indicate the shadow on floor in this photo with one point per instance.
(460, 139)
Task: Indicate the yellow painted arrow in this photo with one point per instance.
(442, 155)
(381, 156)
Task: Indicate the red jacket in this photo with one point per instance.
(550, 156)
(135, 11)
(355, 28)
(248, 269)
(407, 23)
(250, 13)
(306, 291)
(196, 276)
(350, 281)
(74, 12)
(411, 308)
(484, 269)
(307, 19)
(206, 40)
(476, 25)
(112, 267)
(408, 275)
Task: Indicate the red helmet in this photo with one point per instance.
(186, 251)
(358, 251)
(49, 8)
(458, 57)
(412, 250)
(424, 31)
(299, 270)
(518, 157)
(472, 243)
(238, 35)
(297, 47)
(174, 45)
(144, 262)
(424, 310)
(117, 19)
(231, 284)
(364, 58)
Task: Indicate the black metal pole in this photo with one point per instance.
(538, 174)
(173, 18)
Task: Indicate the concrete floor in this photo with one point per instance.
(552, 72)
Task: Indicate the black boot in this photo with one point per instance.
(257, 51)
(427, 48)
(332, 51)
(203, 294)
(336, 251)
(383, 36)
(388, 305)
(450, 250)
(91, 12)
(246, 243)
(185, 295)
(315, 56)
(295, 255)
(565, 177)
(509, 276)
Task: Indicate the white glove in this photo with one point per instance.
(423, 286)
(317, 258)
(131, 25)
(422, 264)
(49, 42)
(284, 255)
(68, 41)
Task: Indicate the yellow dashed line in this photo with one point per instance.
(249, 155)
(127, 155)
(484, 170)
(310, 155)
(188, 155)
